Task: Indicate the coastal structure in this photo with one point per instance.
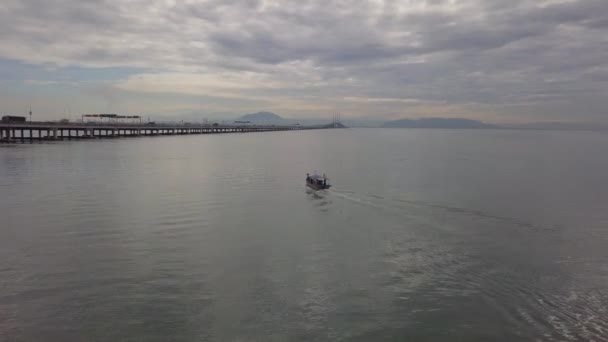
(19, 131)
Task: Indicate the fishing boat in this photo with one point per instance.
(317, 182)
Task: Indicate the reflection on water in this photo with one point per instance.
(457, 236)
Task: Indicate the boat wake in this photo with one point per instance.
(408, 206)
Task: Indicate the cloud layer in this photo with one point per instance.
(495, 60)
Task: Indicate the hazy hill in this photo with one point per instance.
(437, 123)
(263, 118)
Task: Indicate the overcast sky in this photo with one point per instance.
(494, 60)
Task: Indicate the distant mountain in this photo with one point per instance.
(437, 123)
(262, 118)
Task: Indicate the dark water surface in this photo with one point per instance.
(427, 235)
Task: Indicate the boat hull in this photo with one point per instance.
(318, 186)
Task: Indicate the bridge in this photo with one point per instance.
(39, 131)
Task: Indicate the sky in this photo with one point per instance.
(494, 60)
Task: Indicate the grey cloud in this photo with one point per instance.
(458, 52)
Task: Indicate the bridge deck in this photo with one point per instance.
(29, 131)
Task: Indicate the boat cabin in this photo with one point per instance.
(317, 182)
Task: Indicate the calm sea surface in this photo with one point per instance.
(427, 235)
